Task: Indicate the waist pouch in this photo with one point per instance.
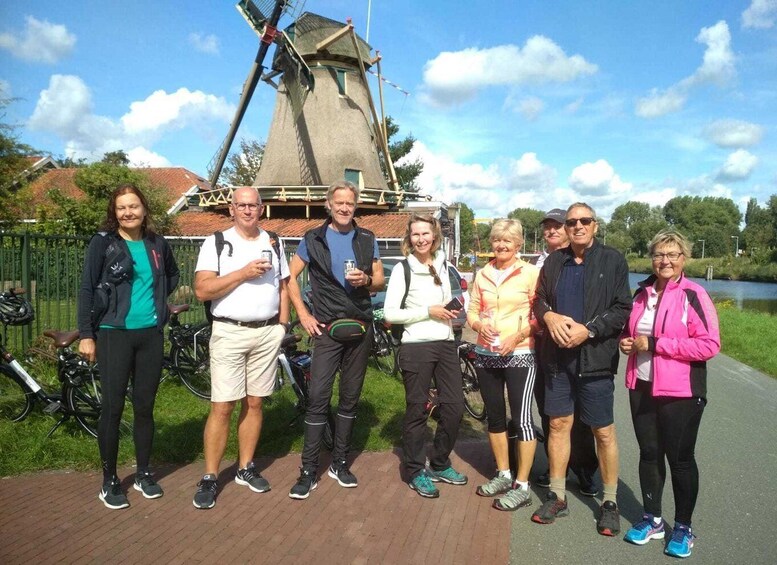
(346, 329)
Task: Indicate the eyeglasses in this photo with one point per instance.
(673, 256)
(435, 276)
(243, 206)
(572, 222)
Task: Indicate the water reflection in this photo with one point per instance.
(761, 297)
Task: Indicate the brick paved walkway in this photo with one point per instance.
(56, 517)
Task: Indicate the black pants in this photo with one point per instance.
(329, 356)
(122, 354)
(419, 362)
(582, 456)
(667, 427)
(519, 382)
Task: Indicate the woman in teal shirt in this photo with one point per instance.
(129, 272)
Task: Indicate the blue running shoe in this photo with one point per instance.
(681, 543)
(645, 530)
(423, 485)
(448, 475)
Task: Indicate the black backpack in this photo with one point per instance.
(220, 244)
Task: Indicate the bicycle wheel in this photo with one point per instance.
(383, 351)
(84, 401)
(15, 399)
(192, 364)
(470, 385)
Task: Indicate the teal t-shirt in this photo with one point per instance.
(142, 313)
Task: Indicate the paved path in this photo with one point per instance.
(737, 457)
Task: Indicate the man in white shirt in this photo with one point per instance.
(247, 284)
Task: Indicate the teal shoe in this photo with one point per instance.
(681, 543)
(423, 485)
(449, 475)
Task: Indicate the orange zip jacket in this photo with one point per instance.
(511, 300)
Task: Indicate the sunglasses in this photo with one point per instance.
(435, 276)
(572, 222)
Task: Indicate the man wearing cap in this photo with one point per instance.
(582, 302)
(582, 459)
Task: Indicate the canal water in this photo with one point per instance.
(745, 295)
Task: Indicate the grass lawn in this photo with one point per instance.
(749, 337)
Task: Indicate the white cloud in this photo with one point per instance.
(454, 77)
(573, 107)
(40, 42)
(718, 67)
(5, 89)
(65, 109)
(734, 133)
(142, 157)
(204, 43)
(660, 103)
(760, 14)
(529, 173)
(530, 107)
(176, 110)
(597, 179)
(738, 166)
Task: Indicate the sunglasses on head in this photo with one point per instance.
(572, 222)
(435, 276)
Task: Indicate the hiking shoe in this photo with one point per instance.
(645, 530)
(543, 480)
(609, 521)
(205, 497)
(305, 483)
(448, 475)
(681, 543)
(424, 486)
(250, 477)
(497, 485)
(343, 475)
(513, 500)
(112, 496)
(551, 509)
(146, 484)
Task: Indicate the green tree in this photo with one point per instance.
(242, 166)
(466, 228)
(632, 226)
(712, 219)
(759, 232)
(13, 162)
(409, 171)
(118, 158)
(83, 215)
(532, 232)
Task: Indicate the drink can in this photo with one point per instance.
(267, 255)
(348, 265)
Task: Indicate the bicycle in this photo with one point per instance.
(79, 396)
(294, 365)
(189, 355)
(470, 385)
(383, 351)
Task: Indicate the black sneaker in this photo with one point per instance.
(112, 496)
(343, 475)
(250, 477)
(551, 509)
(146, 484)
(609, 521)
(543, 480)
(588, 489)
(306, 482)
(205, 497)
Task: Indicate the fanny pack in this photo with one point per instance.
(346, 329)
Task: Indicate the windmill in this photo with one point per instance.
(325, 124)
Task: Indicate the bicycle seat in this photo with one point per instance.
(177, 308)
(291, 339)
(62, 339)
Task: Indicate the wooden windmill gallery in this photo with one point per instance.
(326, 126)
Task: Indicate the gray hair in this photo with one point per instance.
(669, 237)
(582, 205)
(339, 185)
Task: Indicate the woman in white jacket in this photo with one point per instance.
(428, 349)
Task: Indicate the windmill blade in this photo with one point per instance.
(297, 76)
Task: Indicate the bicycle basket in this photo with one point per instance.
(15, 310)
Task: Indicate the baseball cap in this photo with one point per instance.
(557, 215)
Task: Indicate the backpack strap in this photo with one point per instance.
(220, 243)
(406, 267)
(275, 241)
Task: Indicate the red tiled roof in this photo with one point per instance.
(176, 180)
(198, 224)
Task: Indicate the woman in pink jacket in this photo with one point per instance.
(672, 332)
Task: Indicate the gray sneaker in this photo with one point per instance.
(145, 483)
(513, 500)
(250, 477)
(497, 485)
(112, 496)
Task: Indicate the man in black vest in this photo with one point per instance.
(343, 267)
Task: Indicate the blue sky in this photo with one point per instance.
(531, 103)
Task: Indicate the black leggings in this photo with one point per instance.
(667, 427)
(121, 353)
(520, 385)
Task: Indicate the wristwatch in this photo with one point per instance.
(591, 333)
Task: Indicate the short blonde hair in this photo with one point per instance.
(339, 185)
(669, 237)
(407, 247)
(507, 229)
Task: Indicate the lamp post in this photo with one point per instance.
(702, 247)
(736, 237)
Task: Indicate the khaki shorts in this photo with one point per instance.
(243, 361)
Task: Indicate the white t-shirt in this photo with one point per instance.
(254, 300)
(645, 327)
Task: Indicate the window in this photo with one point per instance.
(355, 176)
(341, 83)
